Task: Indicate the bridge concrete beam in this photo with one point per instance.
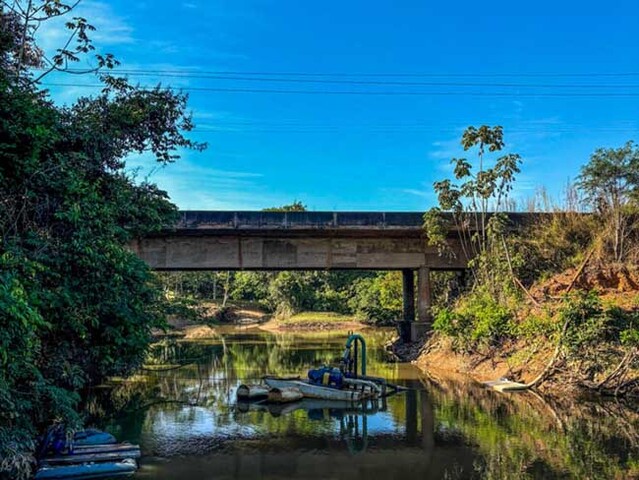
(238, 252)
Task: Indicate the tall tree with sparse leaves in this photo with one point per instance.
(472, 202)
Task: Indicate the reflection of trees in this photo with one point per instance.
(527, 436)
(515, 436)
(180, 374)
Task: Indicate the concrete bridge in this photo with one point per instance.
(254, 240)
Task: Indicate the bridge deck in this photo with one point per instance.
(377, 224)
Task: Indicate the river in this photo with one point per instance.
(181, 409)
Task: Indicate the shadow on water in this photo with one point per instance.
(182, 410)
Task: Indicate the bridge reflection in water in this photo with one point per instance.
(181, 408)
(190, 426)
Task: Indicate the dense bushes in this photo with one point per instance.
(75, 304)
(476, 321)
(596, 332)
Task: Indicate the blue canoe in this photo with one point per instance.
(124, 468)
(92, 436)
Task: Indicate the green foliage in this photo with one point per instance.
(76, 305)
(536, 328)
(375, 297)
(477, 320)
(610, 182)
(252, 287)
(591, 325)
(437, 229)
(296, 206)
(473, 205)
(377, 300)
(611, 177)
(292, 292)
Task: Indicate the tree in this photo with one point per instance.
(20, 20)
(474, 203)
(75, 304)
(610, 182)
(296, 206)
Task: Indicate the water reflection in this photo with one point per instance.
(181, 408)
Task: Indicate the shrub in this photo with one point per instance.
(477, 320)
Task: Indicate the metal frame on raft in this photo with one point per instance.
(350, 363)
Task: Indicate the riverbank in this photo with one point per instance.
(573, 333)
(248, 315)
(315, 322)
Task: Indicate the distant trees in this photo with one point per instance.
(296, 206)
(373, 297)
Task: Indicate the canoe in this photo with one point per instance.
(252, 392)
(88, 470)
(284, 395)
(504, 385)
(110, 456)
(107, 448)
(92, 436)
(310, 390)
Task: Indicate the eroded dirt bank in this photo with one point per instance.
(524, 359)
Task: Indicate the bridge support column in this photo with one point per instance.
(424, 315)
(408, 288)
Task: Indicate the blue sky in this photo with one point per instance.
(372, 151)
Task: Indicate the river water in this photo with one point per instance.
(181, 409)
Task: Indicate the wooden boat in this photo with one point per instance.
(87, 471)
(352, 391)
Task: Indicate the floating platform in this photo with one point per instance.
(353, 393)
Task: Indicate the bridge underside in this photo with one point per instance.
(208, 240)
(266, 253)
